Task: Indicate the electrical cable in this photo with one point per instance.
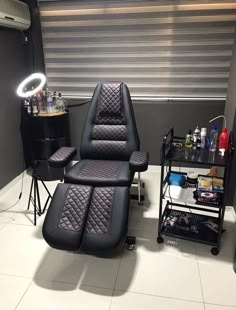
(78, 104)
(20, 195)
(29, 35)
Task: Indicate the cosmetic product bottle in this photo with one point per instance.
(203, 137)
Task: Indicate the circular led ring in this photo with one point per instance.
(20, 90)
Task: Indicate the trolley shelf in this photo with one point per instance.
(198, 230)
(184, 196)
(202, 156)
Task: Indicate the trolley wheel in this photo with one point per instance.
(214, 251)
(160, 240)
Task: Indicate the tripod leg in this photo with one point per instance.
(46, 203)
(35, 206)
(44, 185)
(30, 194)
(38, 197)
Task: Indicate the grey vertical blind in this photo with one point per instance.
(159, 48)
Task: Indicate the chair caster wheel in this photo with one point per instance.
(130, 243)
(131, 247)
(214, 251)
(160, 240)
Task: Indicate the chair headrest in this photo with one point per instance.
(110, 99)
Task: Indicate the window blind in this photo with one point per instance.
(159, 48)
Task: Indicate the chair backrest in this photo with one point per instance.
(110, 130)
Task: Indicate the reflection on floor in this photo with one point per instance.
(175, 275)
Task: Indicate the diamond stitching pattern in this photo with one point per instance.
(99, 215)
(103, 148)
(139, 158)
(62, 154)
(109, 107)
(110, 99)
(100, 169)
(75, 208)
(109, 132)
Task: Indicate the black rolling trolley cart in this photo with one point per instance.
(201, 222)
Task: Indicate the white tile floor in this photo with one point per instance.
(175, 275)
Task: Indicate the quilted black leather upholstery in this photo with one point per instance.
(139, 161)
(65, 220)
(62, 157)
(110, 93)
(106, 231)
(75, 208)
(110, 136)
(86, 218)
(99, 215)
(110, 131)
(90, 211)
(100, 173)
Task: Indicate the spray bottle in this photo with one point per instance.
(224, 136)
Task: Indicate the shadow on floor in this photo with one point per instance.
(83, 268)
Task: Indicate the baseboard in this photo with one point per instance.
(9, 185)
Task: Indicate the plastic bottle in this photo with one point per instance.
(54, 99)
(35, 106)
(213, 138)
(224, 140)
(39, 100)
(60, 103)
(203, 137)
(196, 137)
(50, 103)
(188, 140)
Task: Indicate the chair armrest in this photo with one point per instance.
(138, 161)
(62, 157)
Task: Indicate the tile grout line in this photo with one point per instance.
(15, 276)
(23, 295)
(161, 296)
(233, 307)
(4, 224)
(200, 279)
(116, 279)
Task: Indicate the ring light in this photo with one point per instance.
(35, 76)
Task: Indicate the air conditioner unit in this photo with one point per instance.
(14, 14)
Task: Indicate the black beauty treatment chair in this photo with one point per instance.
(90, 210)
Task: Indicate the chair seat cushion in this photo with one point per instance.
(100, 173)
